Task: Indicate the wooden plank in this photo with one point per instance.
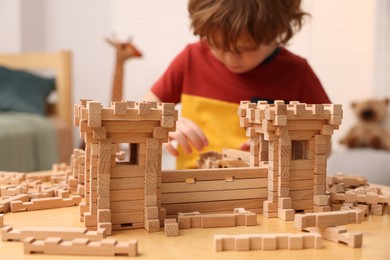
(214, 174)
(125, 218)
(301, 174)
(127, 183)
(302, 195)
(213, 185)
(80, 246)
(294, 125)
(301, 184)
(9, 234)
(297, 165)
(302, 204)
(130, 127)
(215, 206)
(121, 195)
(138, 138)
(213, 196)
(302, 135)
(127, 206)
(126, 170)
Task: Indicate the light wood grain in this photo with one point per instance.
(197, 243)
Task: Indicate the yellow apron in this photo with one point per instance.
(218, 120)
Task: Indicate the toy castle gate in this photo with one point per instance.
(123, 194)
(293, 139)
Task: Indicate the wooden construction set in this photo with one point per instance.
(283, 174)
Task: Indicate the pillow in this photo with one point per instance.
(24, 92)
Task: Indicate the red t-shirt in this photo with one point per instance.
(195, 71)
(210, 93)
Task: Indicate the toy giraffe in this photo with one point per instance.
(124, 51)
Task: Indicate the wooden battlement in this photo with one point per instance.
(279, 112)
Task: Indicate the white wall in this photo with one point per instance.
(339, 42)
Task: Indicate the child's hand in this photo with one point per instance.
(245, 146)
(187, 133)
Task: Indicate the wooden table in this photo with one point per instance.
(197, 243)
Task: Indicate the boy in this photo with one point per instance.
(240, 56)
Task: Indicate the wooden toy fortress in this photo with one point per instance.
(286, 170)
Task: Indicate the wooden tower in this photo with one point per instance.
(123, 194)
(292, 140)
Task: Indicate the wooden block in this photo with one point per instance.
(268, 242)
(218, 220)
(168, 122)
(144, 108)
(1, 220)
(218, 242)
(169, 220)
(240, 219)
(242, 243)
(196, 221)
(151, 212)
(80, 246)
(376, 209)
(321, 200)
(104, 215)
(99, 133)
(106, 226)
(295, 242)
(152, 144)
(171, 229)
(120, 108)
(184, 222)
(284, 203)
(94, 107)
(90, 220)
(150, 200)
(328, 219)
(8, 234)
(302, 221)
(312, 240)
(286, 214)
(255, 242)
(250, 219)
(152, 225)
(160, 133)
(228, 243)
(339, 234)
(282, 241)
(167, 108)
(45, 203)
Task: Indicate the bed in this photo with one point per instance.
(36, 122)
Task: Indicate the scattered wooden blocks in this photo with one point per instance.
(5, 204)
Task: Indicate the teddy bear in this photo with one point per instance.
(369, 130)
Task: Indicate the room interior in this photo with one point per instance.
(346, 42)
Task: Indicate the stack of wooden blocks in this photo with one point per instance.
(123, 194)
(292, 139)
(348, 191)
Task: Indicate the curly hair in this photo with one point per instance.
(266, 21)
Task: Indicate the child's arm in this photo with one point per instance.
(187, 133)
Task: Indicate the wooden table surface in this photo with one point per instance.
(197, 243)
